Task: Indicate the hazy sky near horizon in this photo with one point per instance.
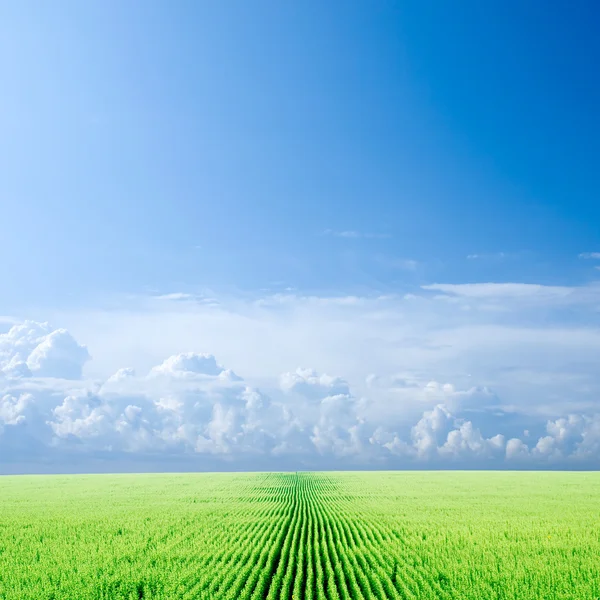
(309, 234)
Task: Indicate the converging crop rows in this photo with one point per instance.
(301, 536)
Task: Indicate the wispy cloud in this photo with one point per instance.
(185, 297)
(501, 290)
(176, 296)
(590, 255)
(404, 264)
(488, 256)
(6, 320)
(351, 234)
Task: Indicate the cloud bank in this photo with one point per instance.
(190, 411)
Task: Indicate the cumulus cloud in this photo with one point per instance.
(189, 363)
(13, 409)
(310, 384)
(413, 392)
(516, 449)
(467, 441)
(189, 405)
(121, 375)
(214, 414)
(569, 440)
(36, 349)
(58, 355)
(428, 433)
(440, 433)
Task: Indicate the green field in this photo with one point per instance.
(460, 535)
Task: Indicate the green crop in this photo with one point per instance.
(313, 536)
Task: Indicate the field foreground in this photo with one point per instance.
(324, 536)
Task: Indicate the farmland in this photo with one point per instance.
(318, 536)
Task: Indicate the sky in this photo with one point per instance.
(299, 235)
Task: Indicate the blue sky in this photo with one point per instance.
(290, 166)
(150, 145)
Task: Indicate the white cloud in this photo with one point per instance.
(590, 255)
(338, 427)
(501, 290)
(189, 363)
(58, 355)
(13, 409)
(121, 375)
(428, 432)
(176, 296)
(570, 440)
(310, 384)
(491, 256)
(210, 414)
(516, 449)
(351, 234)
(35, 349)
(467, 441)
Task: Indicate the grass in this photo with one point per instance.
(314, 536)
